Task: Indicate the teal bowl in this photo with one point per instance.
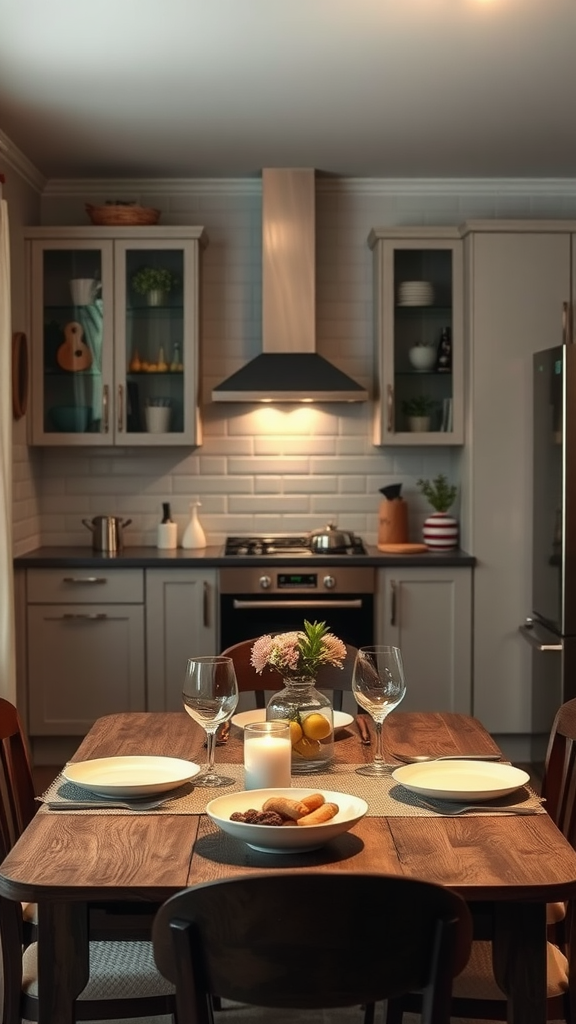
(70, 419)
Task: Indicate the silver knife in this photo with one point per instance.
(422, 758)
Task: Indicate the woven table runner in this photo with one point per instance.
(384, 796)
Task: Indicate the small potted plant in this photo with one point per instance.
(154, 283)
(418, 411)
(440, 530)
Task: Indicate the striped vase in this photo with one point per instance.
(440, 532)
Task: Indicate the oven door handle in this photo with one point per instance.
(302, 603)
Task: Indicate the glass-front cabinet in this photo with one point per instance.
(114, 331)
(419, 325)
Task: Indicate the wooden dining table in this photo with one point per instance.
(67, 859)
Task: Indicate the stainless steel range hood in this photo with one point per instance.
(289, 369)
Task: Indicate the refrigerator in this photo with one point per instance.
(550, 627)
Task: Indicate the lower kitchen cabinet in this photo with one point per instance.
(181, 622)
(427, 613)
(85, 647)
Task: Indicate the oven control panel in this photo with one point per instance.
(337, 578)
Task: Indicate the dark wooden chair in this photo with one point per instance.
(330, 678)
(476, 994)
(301, 941)
(124, 982)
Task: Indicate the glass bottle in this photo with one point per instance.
(311, 723)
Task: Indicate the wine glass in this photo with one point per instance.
(378, 686)
(210, 695)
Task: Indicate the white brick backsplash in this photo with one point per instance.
(269, 485)
(260, 469)
(278, 446)
(283, 464)
(351, 484)
(323, 484)
(267, 504)
(224, 484)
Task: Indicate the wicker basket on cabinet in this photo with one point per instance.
(119, 214)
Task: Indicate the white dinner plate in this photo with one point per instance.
(461, 780)
(341, 719)
(130, 776)
(287, 838)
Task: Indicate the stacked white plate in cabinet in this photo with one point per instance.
(415, 293)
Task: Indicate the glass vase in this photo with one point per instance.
(311, 720)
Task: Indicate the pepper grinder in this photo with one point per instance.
(392, 516)
(167, 530)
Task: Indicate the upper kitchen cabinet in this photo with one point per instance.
(419, 340)
(114, 329)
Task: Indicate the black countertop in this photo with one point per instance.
(153, 558)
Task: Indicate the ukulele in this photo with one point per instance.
(74, 353)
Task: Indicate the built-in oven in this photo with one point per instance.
(275, 599)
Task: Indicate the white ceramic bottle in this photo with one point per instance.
(194, 536)
(167, 537)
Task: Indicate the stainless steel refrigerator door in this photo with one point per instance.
(554, 489)
(553, 672)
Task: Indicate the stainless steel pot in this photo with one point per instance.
(330, 538)
(106, 533)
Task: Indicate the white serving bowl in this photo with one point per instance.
(422, 357)
(285, 838)
(244, 718)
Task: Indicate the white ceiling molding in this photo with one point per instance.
(454, 187)
(120, 187)
(14, 158)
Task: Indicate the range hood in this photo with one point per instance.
(289, 369)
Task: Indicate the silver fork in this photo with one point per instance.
(93, 805)
(449, 809)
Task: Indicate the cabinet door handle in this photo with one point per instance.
(390, 406)
(206, 604)
(120, 408)
(565, 323)
(84, 579)
(393, 592)
(77, 615)
(106, 408)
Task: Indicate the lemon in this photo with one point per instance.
(307, 748)
(316, 727)
(295, 732)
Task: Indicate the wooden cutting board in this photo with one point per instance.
(402, 549)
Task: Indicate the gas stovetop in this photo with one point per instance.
(286, 544)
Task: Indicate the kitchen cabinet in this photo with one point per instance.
(519, 277)
(427, 613)
(419, 336)
(110, 365)
(181, 622)
(85, 647)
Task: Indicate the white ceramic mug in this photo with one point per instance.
(157, 419)
(84, 290)
(267, 755)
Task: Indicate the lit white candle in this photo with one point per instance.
(267, 755)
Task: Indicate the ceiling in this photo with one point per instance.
(222, 88)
